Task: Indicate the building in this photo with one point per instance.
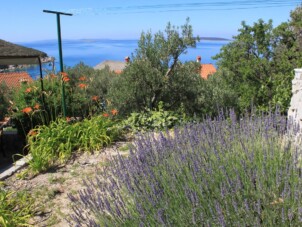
(14, 79)
(205, 69)
(116, 66)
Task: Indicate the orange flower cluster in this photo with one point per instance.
(28, 90)
(82, 86)
(105, 115)
(27, 110)
(95, 98)
(32, 132)
(65, 77)
(114, 112)
(83, 78)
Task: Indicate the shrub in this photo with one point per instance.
(15, 208)
(154, 119)
(85, 91)
(221, 172)
(56, 142)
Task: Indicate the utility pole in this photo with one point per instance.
(60, 53)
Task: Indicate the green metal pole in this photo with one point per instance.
(61, 63)
(60, 53)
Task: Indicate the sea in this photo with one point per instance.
(94, 51)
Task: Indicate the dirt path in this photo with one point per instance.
(50, 189)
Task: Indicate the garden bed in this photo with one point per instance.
(50, 189)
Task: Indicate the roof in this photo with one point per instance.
(13, 54)
(207, 70)
(14, 79)
(116, 66)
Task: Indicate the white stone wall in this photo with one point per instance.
(295, 109)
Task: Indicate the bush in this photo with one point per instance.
(55, 143)
(221, 172)
(154, 119)
(85, 91)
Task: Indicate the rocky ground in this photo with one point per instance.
(49, 190)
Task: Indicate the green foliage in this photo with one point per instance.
(296, 25)
(261, 60)
(15, 208)
(85, 91)
(215, 93)
(156, 74)
(49, 145)
(154, 119)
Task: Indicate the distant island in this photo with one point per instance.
(214, 39)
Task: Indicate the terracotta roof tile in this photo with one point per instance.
(14, 79)
(207, 70)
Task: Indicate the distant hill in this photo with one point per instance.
(214, 39)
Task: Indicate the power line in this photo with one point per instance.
(188, 6)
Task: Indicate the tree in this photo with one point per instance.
(261, 60)
(155, 73)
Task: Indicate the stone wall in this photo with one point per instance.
(295, 109)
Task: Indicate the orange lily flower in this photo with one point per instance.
(95, 98)
(114, 112)
(28, 90)
(32, 132)
(65, 79)
(37, 106)
(82, 78)
(82, 86)
(105, 115)
(27, 110)
(64, 74)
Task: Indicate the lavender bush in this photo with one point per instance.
(222, 172)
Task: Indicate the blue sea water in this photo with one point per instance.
(93, 51)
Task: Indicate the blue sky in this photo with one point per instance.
(23, 20)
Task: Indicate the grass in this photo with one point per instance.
(16, 208)
(53, 144)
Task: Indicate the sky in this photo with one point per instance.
(25, 21)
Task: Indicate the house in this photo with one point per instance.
(205, 69)
(116, 66)
(15, 79)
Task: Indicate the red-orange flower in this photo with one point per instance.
(82, 78)
(114, 112)
(28, 90)
(95, 98)
(82, 86)
(64, 74)
(37, 106)
(27, 110)
(105, 115)
(65, 79)
(32, 132)
(53, 75)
